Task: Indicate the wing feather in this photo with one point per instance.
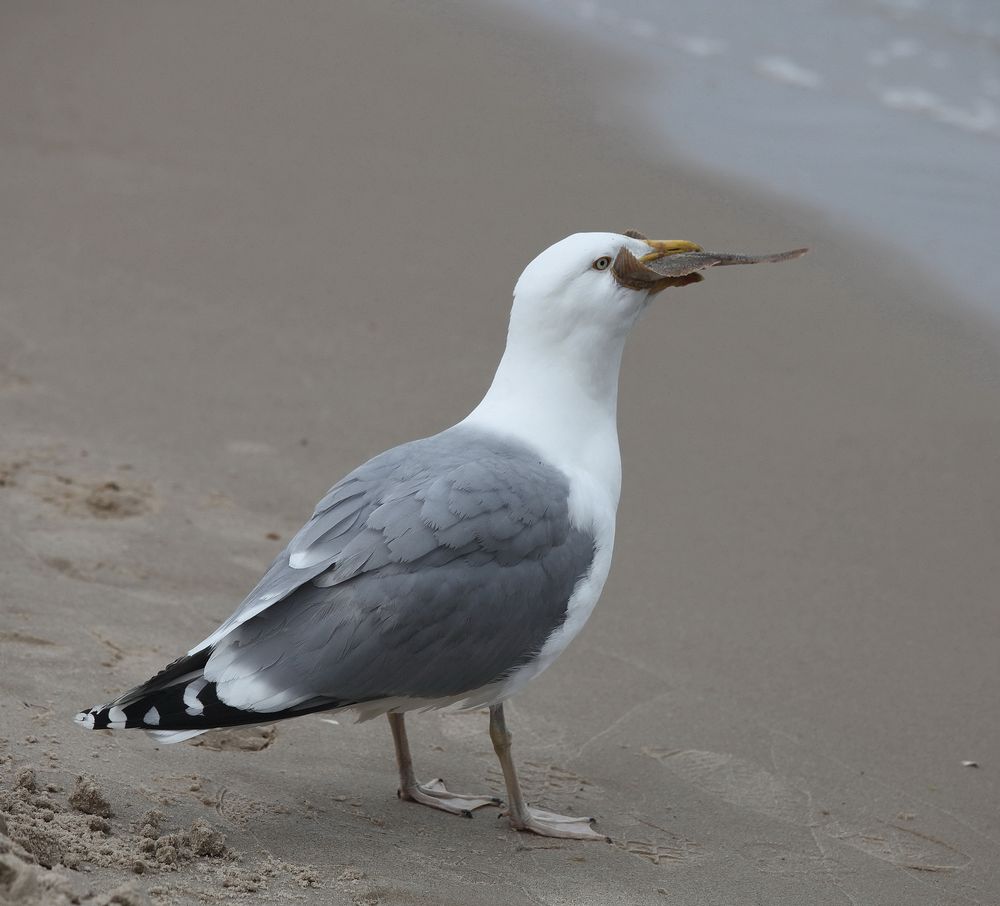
(434, 569)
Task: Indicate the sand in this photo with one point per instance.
(243, 248)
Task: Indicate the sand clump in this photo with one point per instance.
(113, 500)
(80, 835)
(169, 849)
(42, 835)
(49, 840)
(26, 883)
(89, 799)
(52, 477)
(100, 499)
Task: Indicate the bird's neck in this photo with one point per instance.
(560, 398)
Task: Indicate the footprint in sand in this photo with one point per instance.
(746, 785)
(13, 637)
(9, 470)
(773, 858)
(101, 572)
(737, 782)
(45, 475)
(107, 499)
(53, 505)
(653, 843)
(662, 853)
(11, 382)
(238, 739)
(548, 783)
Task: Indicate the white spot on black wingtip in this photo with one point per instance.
(117, 719)
(152, 717)
(192, 704)
(85, 719)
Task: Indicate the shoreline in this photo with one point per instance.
(690, 103)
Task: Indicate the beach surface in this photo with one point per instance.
(245, 247)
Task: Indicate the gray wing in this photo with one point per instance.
(433, 570)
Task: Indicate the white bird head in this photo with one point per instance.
(595, 282)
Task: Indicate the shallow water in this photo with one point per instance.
(883, 114)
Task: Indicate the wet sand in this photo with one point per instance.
(246, 247)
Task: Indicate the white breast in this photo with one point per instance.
(592, 509)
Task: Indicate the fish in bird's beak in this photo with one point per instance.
(676, 262)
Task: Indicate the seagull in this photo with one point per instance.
(452, 570)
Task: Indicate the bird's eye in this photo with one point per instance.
(602, 263)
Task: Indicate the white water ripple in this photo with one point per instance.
(788, 72)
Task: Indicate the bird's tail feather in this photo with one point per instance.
(179, 703)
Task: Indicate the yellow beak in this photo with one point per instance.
(663, 247)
